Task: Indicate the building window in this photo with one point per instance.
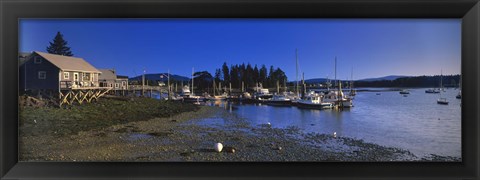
(116, 85)
(124, 84)
(86, 77)
(37, 60)
(42, 75)
(66, 75)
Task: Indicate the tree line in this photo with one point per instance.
(418, 81)
(250, 76)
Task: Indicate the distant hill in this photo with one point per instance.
(157, 77)
(412, 81)
(323, 80)
(388, 78)
(316, 80)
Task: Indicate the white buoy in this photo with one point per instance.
(334, 134)
(35, 121)
(268, 123)
(218, 147)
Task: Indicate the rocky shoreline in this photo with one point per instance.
(190, 136)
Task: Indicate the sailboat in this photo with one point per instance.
(190, 97)
(459, 95)
(337, 96)
(441, 100)
(216, 97)
(353, 92)
(279, 99)
(314, 101)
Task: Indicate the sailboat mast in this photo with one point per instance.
(192, 80)
(296, 70)
(351, 81)
(168, 81)
(335, 71)
(303, 83)
(441, 79)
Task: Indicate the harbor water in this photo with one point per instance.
(414, 122)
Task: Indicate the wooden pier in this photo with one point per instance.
(68, 96)
(139, 90)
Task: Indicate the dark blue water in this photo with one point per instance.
(416, 122)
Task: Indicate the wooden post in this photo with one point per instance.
(243, 85)
(213, 88)
(143, 83)
(278, 87)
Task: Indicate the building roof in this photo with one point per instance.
(68, 63)
(122, 77)
(107, 74)
(24, 54)
(23, 57)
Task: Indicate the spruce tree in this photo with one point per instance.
(59, 46)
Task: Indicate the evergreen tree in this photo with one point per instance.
(218, 75)
(271, 81)
(234, 76)
(249, 79)
(59, 46)
(256, 75)
(226, 73)
(263, 74)
(241, 72)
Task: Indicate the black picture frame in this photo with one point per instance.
(467, 10)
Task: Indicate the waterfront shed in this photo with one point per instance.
(44, 71)
(109, 78)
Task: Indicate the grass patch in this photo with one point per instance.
(97, 115)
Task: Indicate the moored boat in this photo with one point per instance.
(262, 94)
(442, 101)
(338, 98)
(279, 100)
(404, 91)
(432, 91)
(314, 102)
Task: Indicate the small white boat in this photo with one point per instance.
(186, 96)
(262, 94)
(338, 98)
(442, 101)
(314, 102)
(404, 91)
(218, 97)
(279, 100)
(432, 91)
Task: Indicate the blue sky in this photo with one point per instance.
(372, 47)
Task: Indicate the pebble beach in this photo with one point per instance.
(191, 136)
